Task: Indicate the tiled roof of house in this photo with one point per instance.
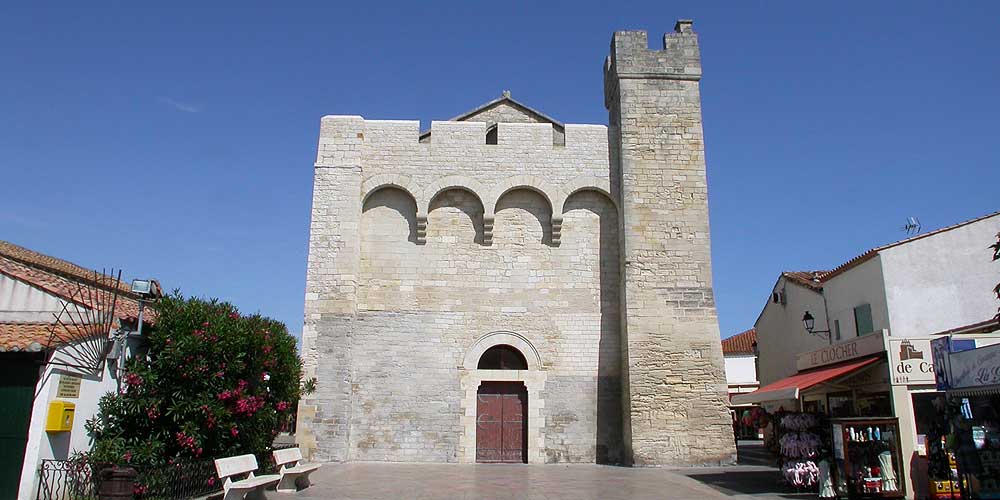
(52, 264)
(874, 251)
(808, 279)
(741, 343)
(65, 280)
(987, 326)
(72, 290)
(815, 279)
(29, 336)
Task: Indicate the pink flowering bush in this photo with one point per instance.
(214, 383)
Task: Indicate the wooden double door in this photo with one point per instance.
(502, 423)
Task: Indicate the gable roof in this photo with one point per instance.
(64, 280)
(868, 255)
(504, 100)
(808, 279)
(814, 279)
(51, 264)
(741, 343)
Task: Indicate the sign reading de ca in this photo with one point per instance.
(911, 361)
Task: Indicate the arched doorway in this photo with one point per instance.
(502, 410)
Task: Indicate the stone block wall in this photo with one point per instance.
(456, 239)
(585, 246)
(675, 391)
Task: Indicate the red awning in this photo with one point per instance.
(789, 388)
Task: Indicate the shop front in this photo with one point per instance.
(970, 376)
(846, 386)
(877, 382)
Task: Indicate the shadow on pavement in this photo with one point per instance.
(756, 474)
(754, 453)
(749, 482)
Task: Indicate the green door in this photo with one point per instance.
(18, 376)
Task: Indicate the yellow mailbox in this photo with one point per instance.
(60, 417)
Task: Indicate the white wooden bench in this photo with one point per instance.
(250, 488)
(294, 476)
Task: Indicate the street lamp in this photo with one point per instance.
(810, 323)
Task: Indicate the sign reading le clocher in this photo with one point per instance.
(866, 345)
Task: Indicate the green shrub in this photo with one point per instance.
(214, 383)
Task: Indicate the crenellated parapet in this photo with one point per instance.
(485, 159)
(395, 136)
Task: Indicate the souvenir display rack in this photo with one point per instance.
(942, 470)
(869, 458)
(802, 442)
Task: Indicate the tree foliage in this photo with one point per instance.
(214, 383)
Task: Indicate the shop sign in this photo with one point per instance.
(911, 361)
(859, 347)
(976, 368)
(941, 349)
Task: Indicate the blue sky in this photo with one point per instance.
(177, 142)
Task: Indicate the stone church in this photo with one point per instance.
(505, 287)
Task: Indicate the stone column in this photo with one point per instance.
(675, 387)
(331, 289)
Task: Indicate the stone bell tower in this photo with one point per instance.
(674, 387)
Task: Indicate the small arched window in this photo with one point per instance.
(502, 357)
(491, 135)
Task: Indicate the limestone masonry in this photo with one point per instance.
(582, 248)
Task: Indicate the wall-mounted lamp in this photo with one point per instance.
(810, 323)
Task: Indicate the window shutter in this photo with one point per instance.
(863, 319)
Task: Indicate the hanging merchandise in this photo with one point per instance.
(826, 480)
(887, 474)
(802, 444)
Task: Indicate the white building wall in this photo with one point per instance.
(780, 334)
(942, 281)
(859, 285)
(44, 445)
(23, 303)
(740, 369)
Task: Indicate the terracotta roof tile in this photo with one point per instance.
(51, 264)
(29, 336)
(808, 279)
(741, 343)
(874, 251)
(62, 279)
(815, 279)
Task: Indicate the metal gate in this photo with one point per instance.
(501, 424)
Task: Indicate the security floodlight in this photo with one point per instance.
(142, 287)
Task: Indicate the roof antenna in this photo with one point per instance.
(912, 225)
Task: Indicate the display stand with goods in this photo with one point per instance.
(942, 470)
(868, 456)
(802, 445)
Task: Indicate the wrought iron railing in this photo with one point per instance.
(67, 480)
(79, 480)
(176, 481)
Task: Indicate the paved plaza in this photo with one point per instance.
(388, 481)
